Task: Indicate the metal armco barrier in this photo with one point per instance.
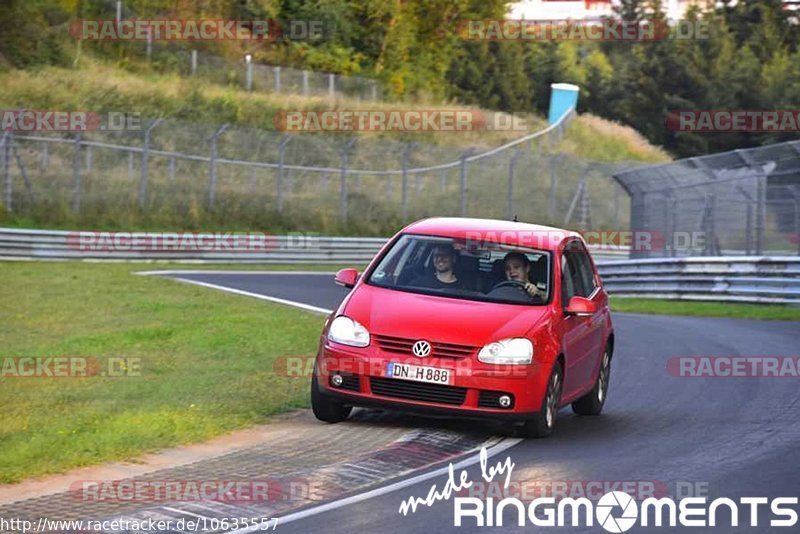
(768, 279)
(21, 244)
(773, 279)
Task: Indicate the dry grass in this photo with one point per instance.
(101, 87)
(593, 137)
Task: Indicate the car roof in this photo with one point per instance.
(494, 230)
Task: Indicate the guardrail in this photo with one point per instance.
(24, 244)
(774, 279)
(762, 279)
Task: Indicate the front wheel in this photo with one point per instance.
(541, 426)
(592, 403)
(327, 409)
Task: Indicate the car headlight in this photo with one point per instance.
(346, 331)
(514, 351)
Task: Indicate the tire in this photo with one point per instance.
(592, 403)
(543, 424)
(326, 409)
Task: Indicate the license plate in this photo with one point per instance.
(419, 373)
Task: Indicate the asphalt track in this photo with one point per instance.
(733, 437)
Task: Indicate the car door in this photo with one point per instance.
(595, 324)
(580, 333)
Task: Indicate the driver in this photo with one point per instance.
(518, 269)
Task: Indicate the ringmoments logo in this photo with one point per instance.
(617, 511)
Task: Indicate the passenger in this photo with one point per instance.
(444, 259)
(518, 269)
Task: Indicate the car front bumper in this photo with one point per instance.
(474, 392)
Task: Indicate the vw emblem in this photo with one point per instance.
(421, 349)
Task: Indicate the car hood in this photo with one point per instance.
(446, 320)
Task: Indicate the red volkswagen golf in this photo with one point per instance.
(473, 318)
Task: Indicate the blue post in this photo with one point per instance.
(563, 96)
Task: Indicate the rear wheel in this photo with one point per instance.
(544, 422)
(592, 403)
(325, 408)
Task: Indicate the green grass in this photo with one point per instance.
(205, 360)
(205, 364)
(705, 309)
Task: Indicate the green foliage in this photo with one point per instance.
(748, 59)
(745, 56)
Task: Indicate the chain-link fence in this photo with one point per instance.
(740, 202)
(176, 174)
(196, 60)
(252, 76)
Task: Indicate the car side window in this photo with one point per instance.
(585, 271)
(568, 279)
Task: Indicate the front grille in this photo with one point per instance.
(351, 382)
(419, 391)
(489, 399)
(402, 345)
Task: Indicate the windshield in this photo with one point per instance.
(453, 268)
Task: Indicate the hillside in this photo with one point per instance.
(194, 110)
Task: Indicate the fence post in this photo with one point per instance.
(512, 163)
(7, 183)
(248, 73)
(374, 91)
(130, 165)
(673, 209)
(343, 180)
(748, 232)
(76, 174)
(462, 186)
(277, 72)
(404, 194)
(551, 195)
(761, 199)
(212, 167)
(149, 43)
(88, 158)
(45, 155)
(331, 85)
(305, 83)
(144, 167)
(796, 191)
(21, 165)
(172, 170)
(585, 220)
(279, 182)
(194, 62)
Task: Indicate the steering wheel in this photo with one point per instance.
(510, 283)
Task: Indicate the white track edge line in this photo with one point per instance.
(505, 444)
(300, 305)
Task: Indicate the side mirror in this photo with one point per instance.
(580, 307)
(346, 277)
